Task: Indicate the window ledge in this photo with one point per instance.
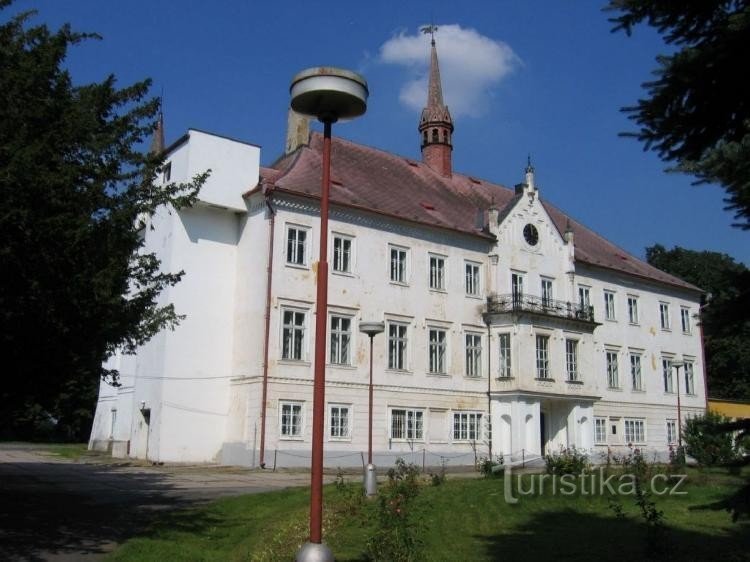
(341, 366)
(477, 297)
(343, 274)
(297, 362)
(439, 375)
(297, 265)
(504, 378)
(638, 391)
(610, 319)
(399, 371)
(544, 379)
(474, 377)
(615, 388)
(285, 438)
(439, 291)
(574, 381)
(399, 283)
(339, 439)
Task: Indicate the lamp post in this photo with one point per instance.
(677, 365)
(328, 94)
(372, 329)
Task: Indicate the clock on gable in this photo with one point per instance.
(531, 234)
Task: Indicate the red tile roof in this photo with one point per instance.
(375, 180)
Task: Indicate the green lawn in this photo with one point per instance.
(464, 519)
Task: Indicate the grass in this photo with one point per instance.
(463, 519)
(72, 451)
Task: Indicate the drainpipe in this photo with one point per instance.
(269, 278)
(703, 352)
(489, 387)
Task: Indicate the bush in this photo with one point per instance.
(567, 461)
(489, 467)
(396, 538)
(706, 443)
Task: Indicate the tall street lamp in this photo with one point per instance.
(372, 329)
(677, 365)
(328, 94)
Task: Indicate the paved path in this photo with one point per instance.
(54, 509)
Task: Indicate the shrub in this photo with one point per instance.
(706, 443)
(489, 467)
(567, 461)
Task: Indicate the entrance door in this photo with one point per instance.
(542, 431)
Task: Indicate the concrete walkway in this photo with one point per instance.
(55, 509)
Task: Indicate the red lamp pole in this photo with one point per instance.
(321, 324)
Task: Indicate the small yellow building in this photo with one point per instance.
(735, 409)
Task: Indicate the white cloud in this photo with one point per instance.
(470, 66)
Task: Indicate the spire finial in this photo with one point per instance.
(529, 167)
(157, 141)
(529, 173)
(431, 29)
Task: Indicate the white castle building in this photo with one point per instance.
(507, 324)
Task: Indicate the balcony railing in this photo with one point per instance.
(497, 304)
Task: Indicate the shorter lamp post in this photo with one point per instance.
(372, 329)
(677, 365)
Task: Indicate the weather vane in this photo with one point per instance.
(431, 29)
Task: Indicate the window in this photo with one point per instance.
(664, 315)
(437, 273)
(633, 310)
(571, 359)
(609, 305)
(671, 432)
(467, 426)
(339, 421)
(685, 317)
(542, 357)
(296, 245)
(473, 355)
(666, 367)
(546, 292)
(635, 431)
(112, 422)
(407, 424)
(167, 174)
(584, 298)
(291, 420)
(341, 337)
(472, 279)
(342, 253)
(613, 377)
(293, 336)
(689, 382)
(397, 341)
(437, 351)
(635, 371)
(600, 430)
(398, 264)
(516, 286)
(505, 361)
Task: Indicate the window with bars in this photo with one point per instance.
(341, 336)
(437, 272)
(407, 424)
(293, 334)
(613, 376)
(635, 431)
(472, 279)
(437, 351)
(600, 430)
(636, 378)
(399, 264)
(467, 426)
(571, 359)
(296, 245)
(339, 421)
(290, 420)
(342, 253)
(633, 310)
(668, 375)
(542, 357)
(397, 346)
(473, 355)
(504, 365)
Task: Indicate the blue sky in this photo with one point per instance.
(546, 78)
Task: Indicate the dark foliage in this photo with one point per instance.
(696, 113)
(74, 192)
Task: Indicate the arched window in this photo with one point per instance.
(434, 135)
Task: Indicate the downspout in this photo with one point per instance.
(703, 352)
(267, 336)
(486, 318)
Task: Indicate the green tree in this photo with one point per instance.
(74, 189)
(706, 442)
(725, 318)
(696, 113)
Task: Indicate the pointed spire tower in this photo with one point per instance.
(157, 141)
(436, 124)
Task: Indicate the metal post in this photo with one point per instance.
(369, 425)
(679, 413)
(321, 323)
